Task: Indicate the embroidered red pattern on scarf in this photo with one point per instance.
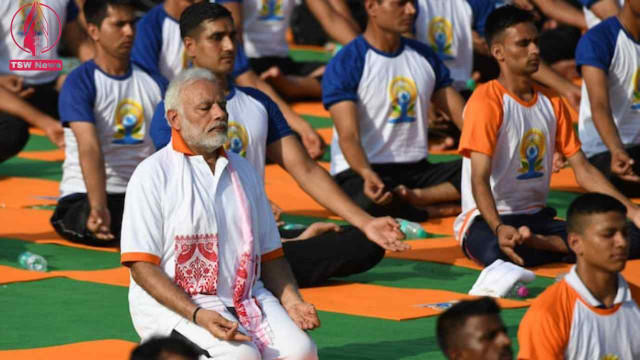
(197, 263)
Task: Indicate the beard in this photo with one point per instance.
(206, 141)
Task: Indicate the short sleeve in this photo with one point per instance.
(78, 94)
(160, 130)
(72, 11)
(343, 73)
(597, 46)
(482, 118)
(141, 238)
(241, 64)
(443, 76)
(481, 10)
(567, 142)
(587, 3)
(278, 126)
(148, 42)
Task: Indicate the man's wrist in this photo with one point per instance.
(497, 228)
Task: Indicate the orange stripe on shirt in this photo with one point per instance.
(567, 142)
(482, 120)
(272, 255)
(127, 259)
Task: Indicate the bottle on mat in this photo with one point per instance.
(293, 227)
(411, 229)
(31, 261)
(519, 290)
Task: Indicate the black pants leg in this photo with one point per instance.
(71, 214)
(602, 161)
(315, 260)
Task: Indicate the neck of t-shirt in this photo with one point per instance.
(111, 65)
(519, 86)
(383, 41)
(629, 23)
(602, 285)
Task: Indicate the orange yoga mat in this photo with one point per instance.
(565, 180)
(448, 251)
(50, 155)
(23, 192)
(440, 226)
(111, 349)
(326, 134)
(398, 304)
(117, 276)
(313, 108)
(33, 225)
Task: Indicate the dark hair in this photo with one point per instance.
(152, 349)
(559, 44)
(452, 320)
(196, 14)
(502, 18)
(590, 204)
(95, 11)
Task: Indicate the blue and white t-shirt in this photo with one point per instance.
(47, 28)
(609, 47)
(265, 24)
(121, 108)
(158, 47)
(446, 26)
(255, 122)
(591, 18)
(392, 93)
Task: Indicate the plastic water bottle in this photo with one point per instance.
(31, 261)
(411, 229)
(519, 290)
(293, 227)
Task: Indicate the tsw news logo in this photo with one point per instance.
(32, 35)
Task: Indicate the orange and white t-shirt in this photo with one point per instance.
(521, 138)
(567, 322)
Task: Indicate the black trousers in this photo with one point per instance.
(412, 175)
(71, 214)
(15, 130)
(315, 260)
(602, 161)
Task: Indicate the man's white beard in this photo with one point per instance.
(203, 141)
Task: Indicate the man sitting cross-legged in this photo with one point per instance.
(512, 129)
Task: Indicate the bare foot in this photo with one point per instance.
(272, 72)
(412, 196)
(446, 144)
(442, 210)
(527, 235)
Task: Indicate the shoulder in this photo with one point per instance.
(605, 32)
(244, 168)
(351, 55)
(555, 303)
(421, 48)
(488, 94)
(635, 292)
(81, 79)
(152, 19)
(157, 79)
(255, 94)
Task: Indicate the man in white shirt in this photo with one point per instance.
(204, 252)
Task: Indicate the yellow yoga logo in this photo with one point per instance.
(532, 151)
(403, 93)
(271, 10)
(129, 127)
(441, 37)
(635, 96)
(610, 357)
(238, 140)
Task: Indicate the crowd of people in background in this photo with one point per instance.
(168, 123)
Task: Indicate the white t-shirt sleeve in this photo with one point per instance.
(142, 237)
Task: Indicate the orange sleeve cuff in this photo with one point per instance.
(127, 258)
(272, 255)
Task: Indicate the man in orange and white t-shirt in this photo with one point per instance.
(511, 130)
(593, 312)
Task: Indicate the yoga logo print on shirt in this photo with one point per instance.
(635, 101)
(238, 140)
(271, 10)
(532, 151)
(197, 263)
(441, 37)
(610, 357)
(187, 61)
(403, 93)
(129, 125)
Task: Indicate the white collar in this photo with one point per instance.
(623, 294)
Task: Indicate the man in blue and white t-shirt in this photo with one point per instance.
(598, 10)
(106, 106)
(608, 56)
(158, 48)
(256, 131)
(378, 90)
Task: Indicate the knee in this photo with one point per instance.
(302, 349)
(244, 351)
(17, 137)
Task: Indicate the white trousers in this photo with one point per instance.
(288, 343)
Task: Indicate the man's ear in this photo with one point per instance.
(189, 46)
(497, 51)
(369, 6)
(174, 119)
(575, 243)
(93, 31)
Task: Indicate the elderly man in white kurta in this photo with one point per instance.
(202, 245)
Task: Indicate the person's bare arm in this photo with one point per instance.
(342, 8)
(449, 100)
(235, 8)
(315, 181)
(310, 138)
(597, 90)
(334, 24)
(480, 44)
(547, 76)
(563, 12)
(278, 278)
(77, 42)
(605, 8)
(508, 236)
(155, 282)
